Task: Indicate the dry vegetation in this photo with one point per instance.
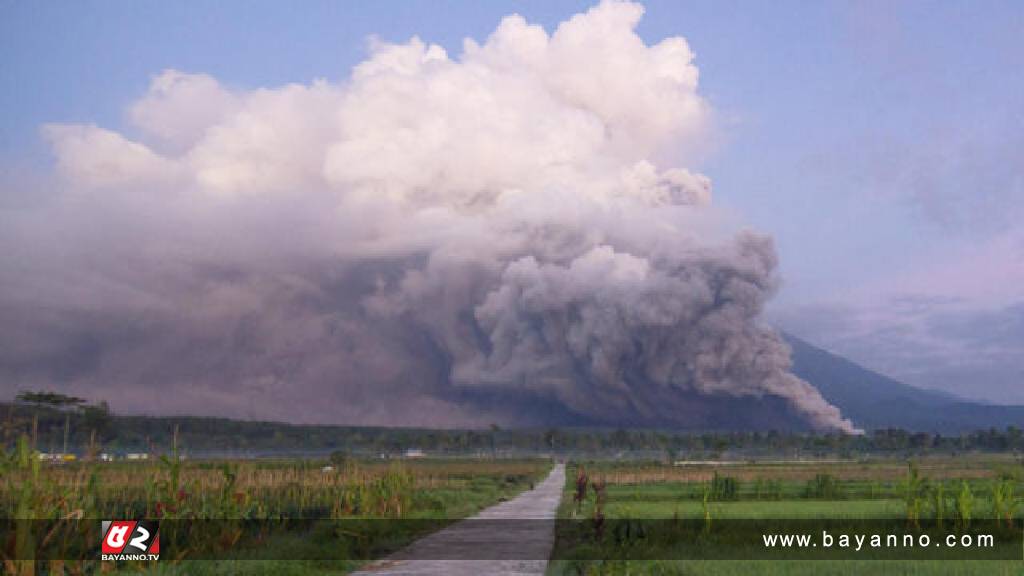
(71, 498)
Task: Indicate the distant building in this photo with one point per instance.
(415, 453)
(57, 457)
(136, 456)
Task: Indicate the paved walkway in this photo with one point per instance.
(490, 530)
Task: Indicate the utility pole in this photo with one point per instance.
(67, 430)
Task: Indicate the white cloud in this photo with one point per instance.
(95, 157)
(179, 107)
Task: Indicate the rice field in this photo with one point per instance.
(951, 491)
(621, 509)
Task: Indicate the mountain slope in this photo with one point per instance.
(874, 401)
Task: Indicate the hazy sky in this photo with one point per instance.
(880, 143)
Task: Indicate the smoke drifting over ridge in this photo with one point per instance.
(503, 236)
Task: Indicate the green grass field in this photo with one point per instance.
(774, 492)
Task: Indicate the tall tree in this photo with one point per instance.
(54, 400)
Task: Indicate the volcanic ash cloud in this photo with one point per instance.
(398, 248)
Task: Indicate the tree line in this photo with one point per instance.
(56, 422)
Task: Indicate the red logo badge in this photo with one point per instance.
(130, 540)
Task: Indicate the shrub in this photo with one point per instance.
(823, 486)
(724, 488)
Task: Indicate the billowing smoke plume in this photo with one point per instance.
(502, 236)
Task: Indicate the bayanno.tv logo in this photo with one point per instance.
(130, 540)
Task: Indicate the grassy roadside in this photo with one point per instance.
(447, 504)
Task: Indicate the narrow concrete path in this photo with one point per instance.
(502, 536)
